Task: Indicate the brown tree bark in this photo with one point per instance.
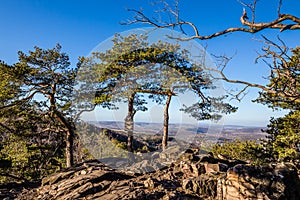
(69, 149)
(70, 134)
(283, 22)
(129, 126)
(166, 123)
(68, 128)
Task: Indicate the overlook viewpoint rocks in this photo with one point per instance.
(192, 176)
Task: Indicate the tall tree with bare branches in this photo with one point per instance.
(249, 24)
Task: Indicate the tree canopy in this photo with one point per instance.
(282, 91)
(133, 68)
(169, 16)
(36, 114)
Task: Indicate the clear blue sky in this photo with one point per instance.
(79, 26)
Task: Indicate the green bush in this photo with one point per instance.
(241, 150)
(283, 139)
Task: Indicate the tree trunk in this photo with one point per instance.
(166, 123)
(70, 130)
(129, 126)
(70, 134)
(69, 148)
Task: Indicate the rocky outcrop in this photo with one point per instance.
(93, 180)
(278, 181)
(191, 176)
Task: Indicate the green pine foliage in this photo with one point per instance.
(249, 151)
(29, 162)
(37, 117)
(36, 114)
(283, 140)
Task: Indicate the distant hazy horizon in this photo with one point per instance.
(199, 124)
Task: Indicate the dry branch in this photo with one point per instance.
(283, 22)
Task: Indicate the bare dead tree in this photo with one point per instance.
(283, 22)
(277, 54)
(277, 58)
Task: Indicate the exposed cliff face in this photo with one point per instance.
(190, 177)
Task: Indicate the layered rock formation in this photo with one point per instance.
(192, 176)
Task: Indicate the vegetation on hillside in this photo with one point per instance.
(38, 111)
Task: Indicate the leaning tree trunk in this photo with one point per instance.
(129, 125)
(166, 123)
(70, 132)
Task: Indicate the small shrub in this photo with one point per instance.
(241, 150)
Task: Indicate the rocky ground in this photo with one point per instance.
(190, 176)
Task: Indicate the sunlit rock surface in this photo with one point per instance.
(192, 176)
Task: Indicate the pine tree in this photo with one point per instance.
(283, 138)
(133, 68)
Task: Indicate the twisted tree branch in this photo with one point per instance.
(283, 22)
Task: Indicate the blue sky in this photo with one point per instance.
(79, 26)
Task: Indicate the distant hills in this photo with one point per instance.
(227, 132)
